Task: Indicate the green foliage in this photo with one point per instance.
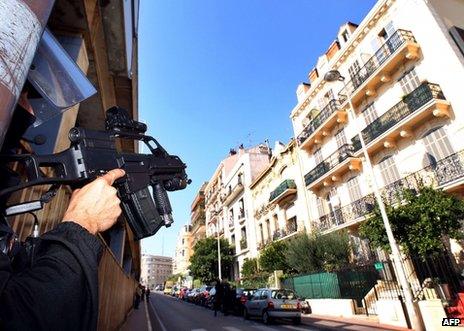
(204, 261)
(249, 267)
(419, 222)
(176, 277)
(317, 252)
(272, 257)
(252, 277)
(256, 281)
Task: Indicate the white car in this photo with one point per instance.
(270, 304)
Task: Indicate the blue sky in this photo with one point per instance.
(215, 74)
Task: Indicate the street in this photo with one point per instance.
(170, 314)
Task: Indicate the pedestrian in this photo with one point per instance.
(138, 295)
(226, 304)
(142, 297)
(218, 297)
(147, 294)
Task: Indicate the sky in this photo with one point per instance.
(215, 74)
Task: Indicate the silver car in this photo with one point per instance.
(270, 304)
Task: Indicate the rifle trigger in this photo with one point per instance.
(50, 194)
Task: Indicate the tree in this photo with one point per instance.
(252, 277)
(249, 268)
(318, 252)
(273, 257)
(204, 261)
(419, 221)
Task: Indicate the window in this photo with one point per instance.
(345, 36)
(437, 144)
(243, 233)
(261, 233)
(353, 189)
(389, 170)
(268, 228)
(257, 295)
(409, 81)
(232, 240)
(353, 71)
(264, 295)
(370, 114)
(320, 206)
(340, 138)
(318, 156)
(328, 96)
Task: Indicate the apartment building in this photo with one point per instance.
(279, 196)
(155, 270)
(403, 74)
(197, 217)
(183, 250)
(228, 201)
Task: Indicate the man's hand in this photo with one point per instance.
(95, 206)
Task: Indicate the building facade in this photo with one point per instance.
(279, 197)
(197, 216)
(229, 204)
(155, 270)
(183, 250)
(402, 75)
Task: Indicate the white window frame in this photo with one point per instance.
(437, 143)
(409, 81)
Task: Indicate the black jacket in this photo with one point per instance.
(60, 291)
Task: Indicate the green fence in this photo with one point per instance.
(353, 283)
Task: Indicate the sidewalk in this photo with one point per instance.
(360, 322)
(138, 319)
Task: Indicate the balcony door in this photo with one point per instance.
(333, 204)
(384, 39)
(438, 150)
(390, 176)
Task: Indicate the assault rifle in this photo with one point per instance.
(92, 153)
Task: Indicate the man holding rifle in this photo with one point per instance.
(59, 292)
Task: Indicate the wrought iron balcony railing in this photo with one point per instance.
(437, 174)
(292, 227)
(285, 185)
(410, 103)
(319, 119)
(279, 233)
(385, 51)
(243, 244)
(340, 155)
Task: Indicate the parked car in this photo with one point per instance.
(159, 287)
(168, 287)
(242, 295)
(210, 300)
(182, 293)
(174, 290)
(203, 295)
(270, 304)
(192, 294)
(305, 307)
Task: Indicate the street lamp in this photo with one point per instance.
(219, 252)
(333, 76)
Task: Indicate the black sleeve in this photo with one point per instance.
(60, 291)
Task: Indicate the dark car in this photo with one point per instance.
(242, 295)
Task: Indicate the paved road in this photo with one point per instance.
(170, 314)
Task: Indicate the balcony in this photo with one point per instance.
(233, 192)
(398, 49)
(285, 190)
(321, 124)
(447, 174)
(425, 102)
(332, 168)
(198, 213)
